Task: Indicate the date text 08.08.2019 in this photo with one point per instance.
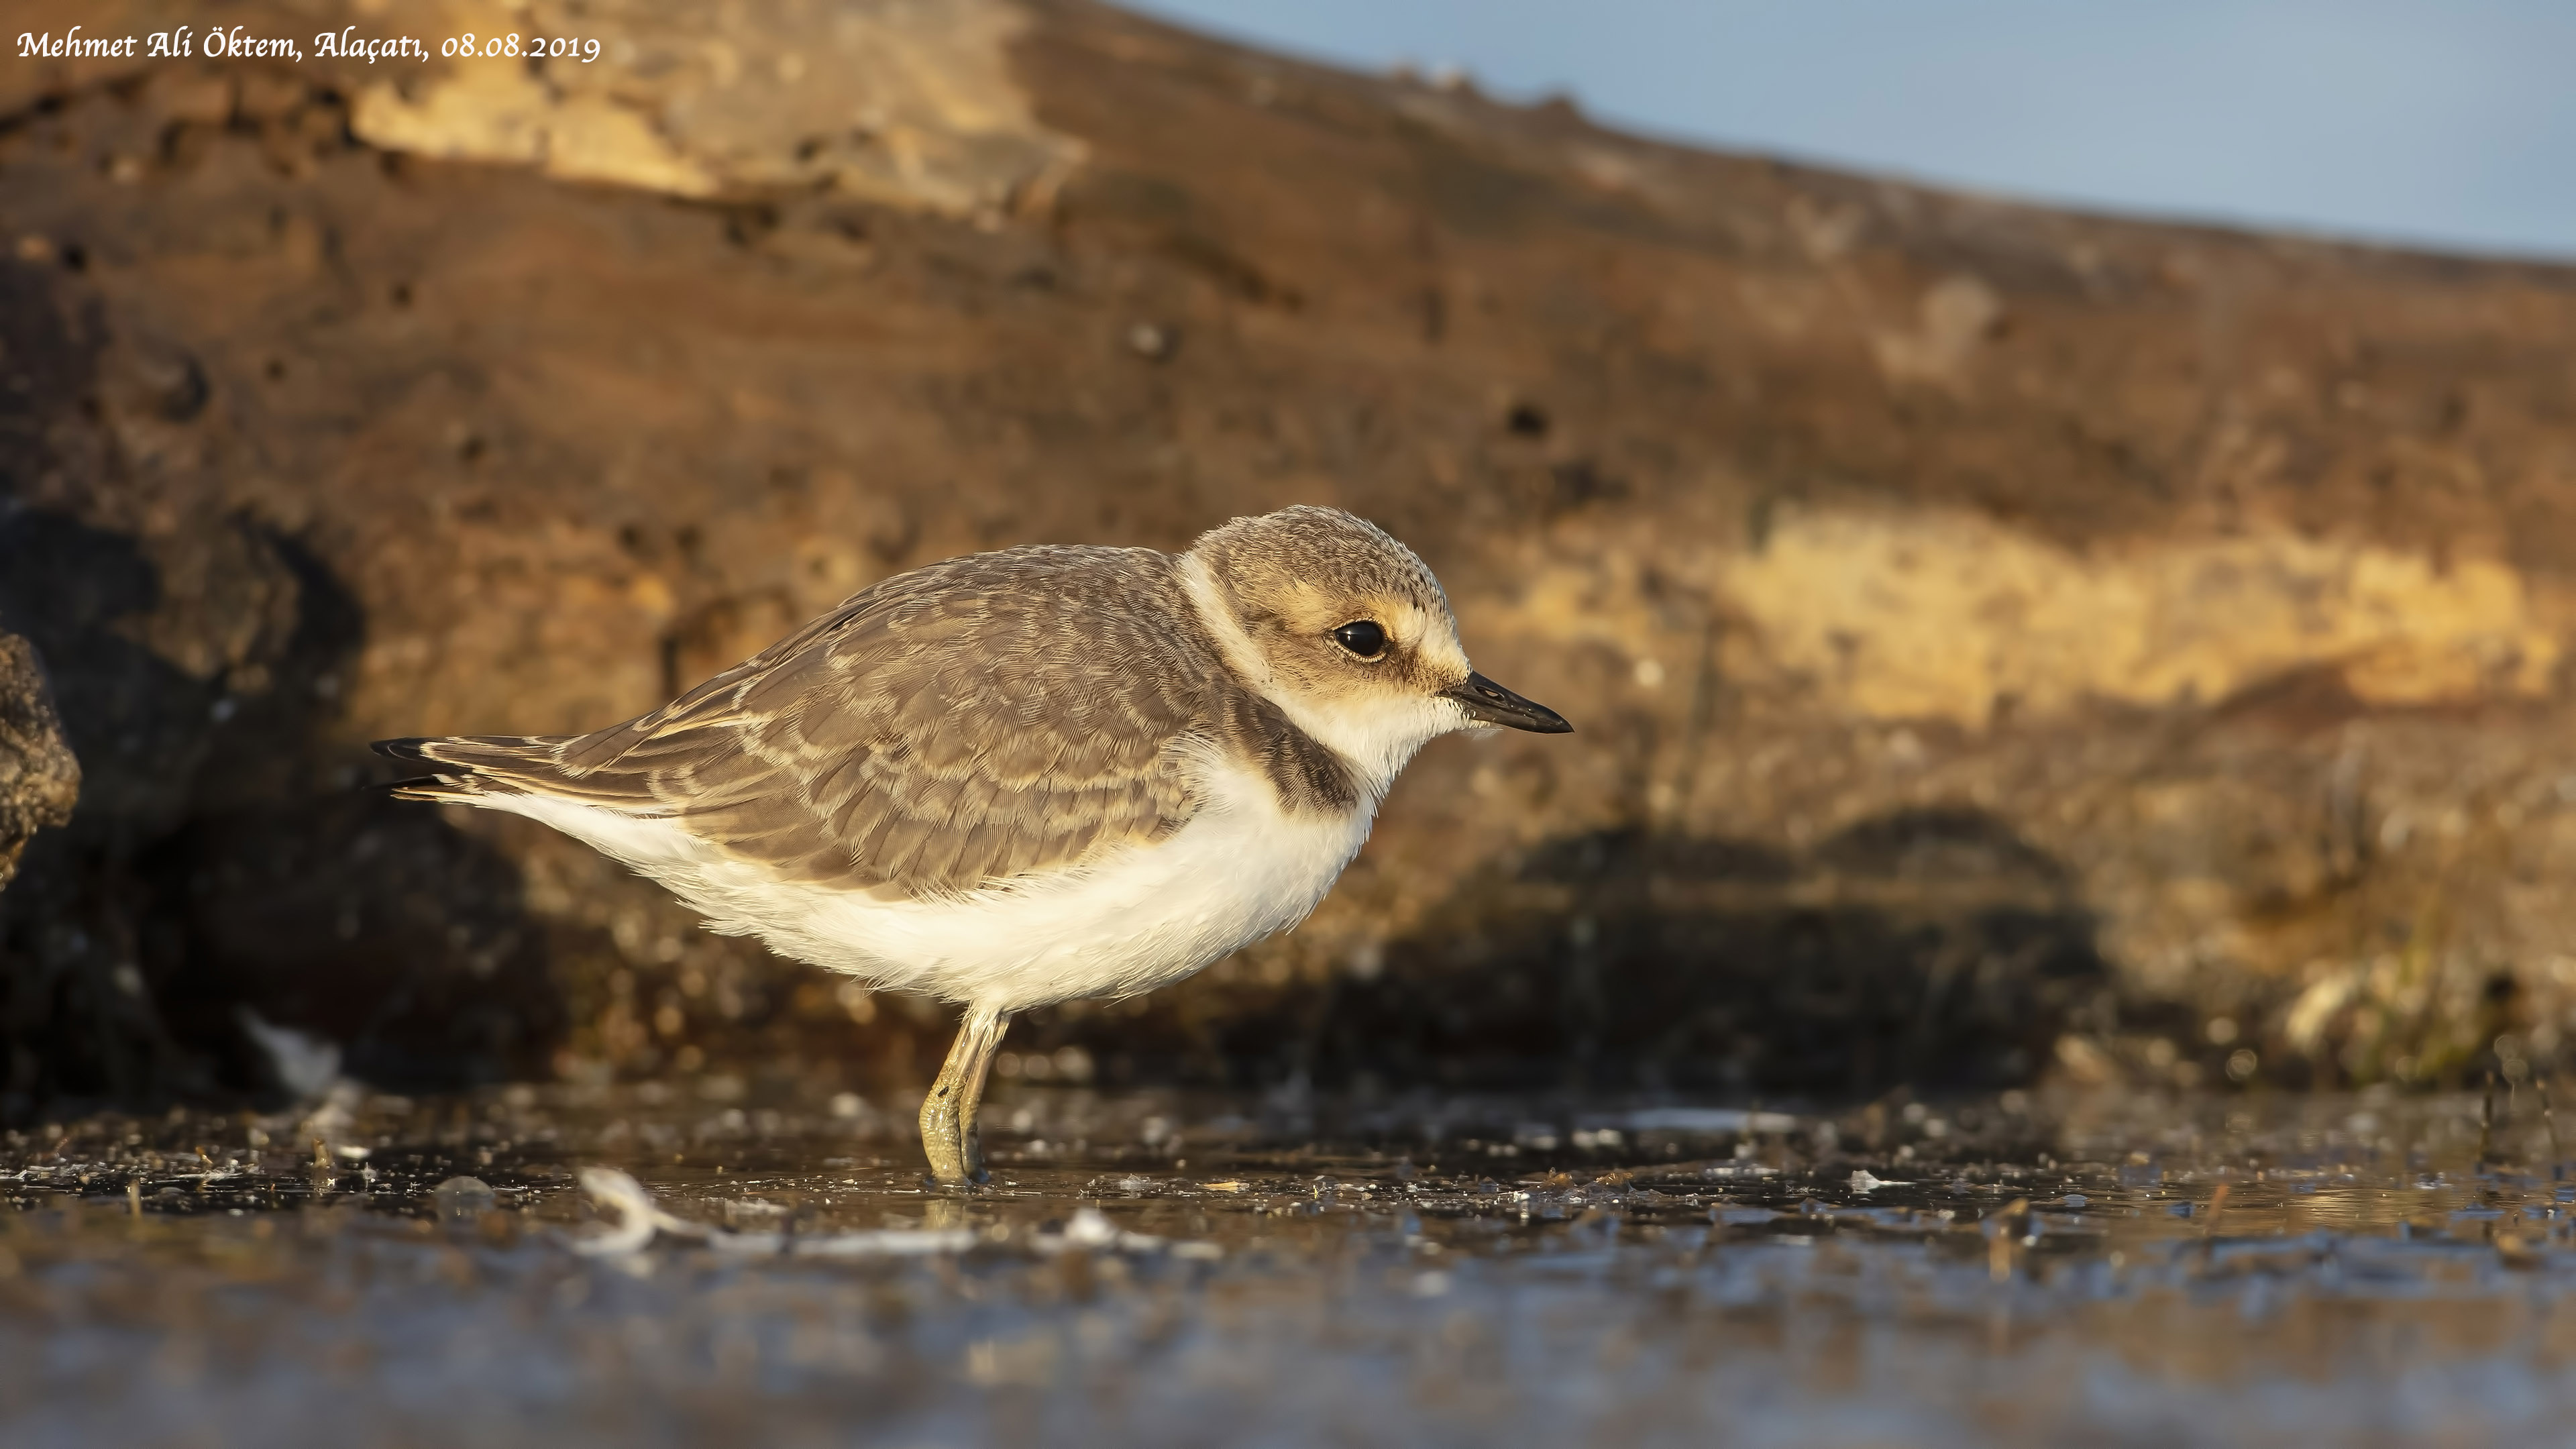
(514, 47)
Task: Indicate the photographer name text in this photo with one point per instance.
(237, 43)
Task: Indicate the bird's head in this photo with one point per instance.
(1348, 633)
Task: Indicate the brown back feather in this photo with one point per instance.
(967, 722)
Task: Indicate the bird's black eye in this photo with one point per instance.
(1362, 637)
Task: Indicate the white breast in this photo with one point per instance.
(1241, 869)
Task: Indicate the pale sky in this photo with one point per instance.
(2446, 124)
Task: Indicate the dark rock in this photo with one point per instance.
(39, 779)
(1991, 621)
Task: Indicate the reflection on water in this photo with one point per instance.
(1158, 1269)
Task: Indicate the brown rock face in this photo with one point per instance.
(39, 779)
(2000, 641)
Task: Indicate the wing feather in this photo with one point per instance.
(969, 722)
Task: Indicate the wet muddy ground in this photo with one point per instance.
(695, 1263)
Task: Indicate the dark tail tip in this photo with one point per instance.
(413, 751)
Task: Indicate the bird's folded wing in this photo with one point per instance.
(976, 720)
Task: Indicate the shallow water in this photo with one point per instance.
(1159, 1269)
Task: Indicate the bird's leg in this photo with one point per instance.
(948, 1113)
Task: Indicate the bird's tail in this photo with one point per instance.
(468, 768)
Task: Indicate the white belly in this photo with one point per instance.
(1239, 871)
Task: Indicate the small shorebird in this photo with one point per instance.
(1023, 777)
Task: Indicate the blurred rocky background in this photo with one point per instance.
(2003, 642)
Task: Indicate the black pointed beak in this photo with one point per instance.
(1491, 703)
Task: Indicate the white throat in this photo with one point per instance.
(1376, 739)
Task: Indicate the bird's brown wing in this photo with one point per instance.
(967, 722)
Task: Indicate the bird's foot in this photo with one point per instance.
(969, 1186)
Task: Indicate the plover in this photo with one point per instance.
(1022, 777)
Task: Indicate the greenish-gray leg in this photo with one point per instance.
(948, 1133)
